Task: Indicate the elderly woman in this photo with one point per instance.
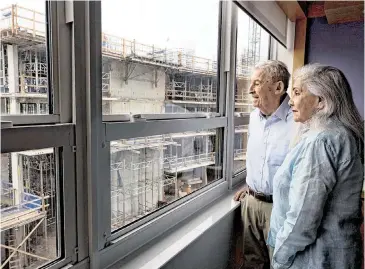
(316, 216)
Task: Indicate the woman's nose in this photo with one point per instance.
(290, 102)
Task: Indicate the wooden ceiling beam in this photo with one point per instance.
(337, 11)
(316, 10)
(344, 11)
(292, 9)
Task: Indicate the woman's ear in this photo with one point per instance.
(320, 104)
(279, 88)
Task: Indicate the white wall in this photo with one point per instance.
(139, 94)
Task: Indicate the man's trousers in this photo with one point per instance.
(256, 224)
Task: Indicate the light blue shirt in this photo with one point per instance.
(267, 146)
(316, 216)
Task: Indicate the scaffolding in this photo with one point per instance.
(252, 52)
(149, 172)
(249, 58)
(145, 172)
(22, 26)
(3, 71)
(28, 209)
(33, 72)
(137, 177)
(183, 69)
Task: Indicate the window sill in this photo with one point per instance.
(160, 251)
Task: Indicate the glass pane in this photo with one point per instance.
(164, 66)
(150, 172)
(29, 209)
(240, 148)
(23, 57)
(252, 48)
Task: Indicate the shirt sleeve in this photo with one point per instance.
(314, 176)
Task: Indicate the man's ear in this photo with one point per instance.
(279, 88)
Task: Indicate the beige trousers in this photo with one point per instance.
(256, 224)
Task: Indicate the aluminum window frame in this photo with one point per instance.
(58, 137)
(100, 203)
(58, 48)
(171, 127)
(83, 134)
(124, 130)
(244, 118)
(55, 131)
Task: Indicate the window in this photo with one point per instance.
(23, 55)
(163, 70)
(252, 48)
(28, 108)
(29, 208)
(43, 108)
(5, 108)
(37, 162)
(164, 66)
(150, 172)
(129, 128)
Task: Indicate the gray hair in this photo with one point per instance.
(331, 85)
(276, 71)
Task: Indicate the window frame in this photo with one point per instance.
(82, 135)
(107, 247)
(244, 117)
(58, 137)
(58, 41)
(53, 131)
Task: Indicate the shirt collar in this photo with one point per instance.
(282, 110)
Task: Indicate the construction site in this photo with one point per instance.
(146, 172)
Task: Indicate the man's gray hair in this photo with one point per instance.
(331, 85)
(275, 71)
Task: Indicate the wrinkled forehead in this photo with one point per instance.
(298, 86)
(258, 74)
(297, 83)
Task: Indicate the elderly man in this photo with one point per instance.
(269, 133)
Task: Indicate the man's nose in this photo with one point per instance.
(251, 90)
(290, 102)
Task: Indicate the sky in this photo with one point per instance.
(174, 24)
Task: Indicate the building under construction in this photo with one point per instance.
(146, 172)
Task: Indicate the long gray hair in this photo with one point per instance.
(331, 85)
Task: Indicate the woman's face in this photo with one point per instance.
(303, 103)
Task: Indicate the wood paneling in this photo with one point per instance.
(292, 10)
(316, 10)
(299, 43)
(343, 11)
(337, 11)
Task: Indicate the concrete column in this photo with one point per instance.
(13, 68)
(16, 172)
(36, 72)
(13, 76)
(204, 176)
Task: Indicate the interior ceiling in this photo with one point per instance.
(336, 11)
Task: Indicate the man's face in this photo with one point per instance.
(263, 93)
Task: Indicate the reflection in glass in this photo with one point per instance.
(29, 209)
(150, 172)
